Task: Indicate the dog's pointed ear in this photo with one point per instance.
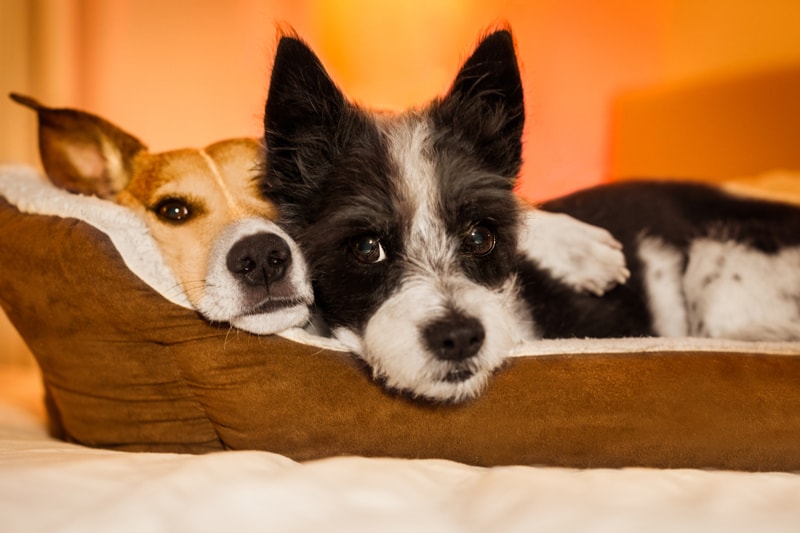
(304, 107)
(82, 152)
(485, 104)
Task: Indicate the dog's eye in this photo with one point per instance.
(479, 241)
(368, 249)
(173, 210)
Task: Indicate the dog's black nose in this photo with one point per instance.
(455, 337)
(259, 259)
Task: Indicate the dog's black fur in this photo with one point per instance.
(677, 213)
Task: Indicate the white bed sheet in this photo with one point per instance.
(50, 486)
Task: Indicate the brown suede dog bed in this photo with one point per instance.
(126, 368)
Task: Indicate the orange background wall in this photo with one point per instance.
(188, 72)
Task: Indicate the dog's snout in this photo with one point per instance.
(455, 337)
(260, 259)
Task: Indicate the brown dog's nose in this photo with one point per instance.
(259, 259)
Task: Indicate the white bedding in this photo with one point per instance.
(50, 486)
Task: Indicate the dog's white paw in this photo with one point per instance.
(585, 257)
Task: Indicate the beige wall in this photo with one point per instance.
(38, 43)
(18, 130)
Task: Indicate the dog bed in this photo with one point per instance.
(48, 486)
(127, 365)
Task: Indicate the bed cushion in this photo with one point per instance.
(126, 368)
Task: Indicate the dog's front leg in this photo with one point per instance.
(585, 257)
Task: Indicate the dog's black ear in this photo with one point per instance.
(303, 110)
(82, 152)
(485, 105)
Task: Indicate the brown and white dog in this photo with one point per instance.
(201, 206)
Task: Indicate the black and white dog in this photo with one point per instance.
(416, 241)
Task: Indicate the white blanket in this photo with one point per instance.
(49, 486)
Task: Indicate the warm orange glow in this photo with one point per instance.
(207, 70)
(402, 60)
(188, 73)
(575, 57)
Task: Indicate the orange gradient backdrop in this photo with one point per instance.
(573, 58)
(189, 72)
(181, 72)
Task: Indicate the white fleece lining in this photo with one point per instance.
(621, 346)
(30, 192)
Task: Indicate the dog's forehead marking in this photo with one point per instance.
(418, 189)
(218, 179)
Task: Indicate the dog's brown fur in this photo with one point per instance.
(186, 197)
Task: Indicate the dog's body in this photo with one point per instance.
(201, 206)
(703, 263)
(417, 246)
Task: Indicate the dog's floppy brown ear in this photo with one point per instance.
(485, 105)
(82, 152)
